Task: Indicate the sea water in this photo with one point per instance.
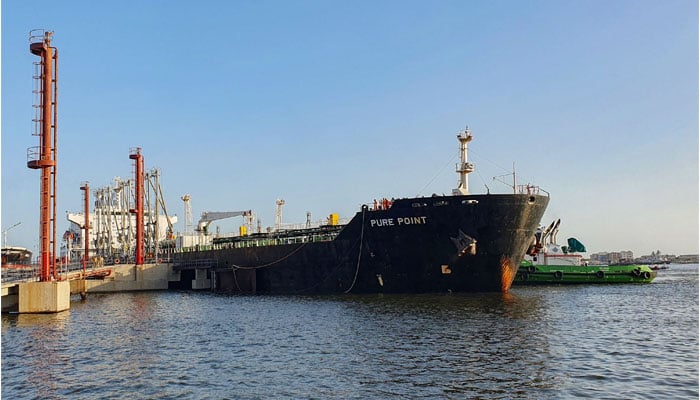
(626, 341)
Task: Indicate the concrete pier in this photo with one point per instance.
(43, 297)
(126, 278)
(202, 280)
(51, 297)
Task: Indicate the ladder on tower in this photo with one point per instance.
(45, 126)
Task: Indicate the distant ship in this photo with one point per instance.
(16, 263)
(457, 243)
(12, 255)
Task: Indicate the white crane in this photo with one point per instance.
(210, 216)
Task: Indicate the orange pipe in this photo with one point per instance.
(86, 256)
(139, 172)
(55, 159)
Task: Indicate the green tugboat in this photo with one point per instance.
(549, 263)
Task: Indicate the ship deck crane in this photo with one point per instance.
(210, 216)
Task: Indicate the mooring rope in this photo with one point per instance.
(235, 279)
(359, 253)
(332, 272)
(235, 267)
(273, 262)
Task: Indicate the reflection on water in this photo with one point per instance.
(44, 333)
(447, 344)
(617, 341)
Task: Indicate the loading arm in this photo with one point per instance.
(170, 232)
(210, 216)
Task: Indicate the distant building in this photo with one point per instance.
(615, 257)
(686, 259)
(655, 258)
(599, 258)
(627, 257)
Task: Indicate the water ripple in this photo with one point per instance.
(602, 342)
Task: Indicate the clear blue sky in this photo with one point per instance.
(331, 104)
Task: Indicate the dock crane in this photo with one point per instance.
(210, 216)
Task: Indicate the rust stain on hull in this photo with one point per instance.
(508, 271)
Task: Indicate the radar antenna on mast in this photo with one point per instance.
(278, 214)
(464, 167)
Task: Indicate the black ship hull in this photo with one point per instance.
(471, 243)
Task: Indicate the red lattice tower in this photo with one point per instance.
(44, 156)
(135, 154)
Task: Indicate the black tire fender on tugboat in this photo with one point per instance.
(558, 275)
(600, 274)
(636, 272)
(646, 275)
(524, 276)
(531, 268)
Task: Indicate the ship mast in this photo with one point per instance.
(278, 214)
(188, 213)
(463, 167)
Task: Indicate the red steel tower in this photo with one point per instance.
(86, 196)
(135, 154)
(44, 156)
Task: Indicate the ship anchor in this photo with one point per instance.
(464, 243)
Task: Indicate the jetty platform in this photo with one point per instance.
(25, 296)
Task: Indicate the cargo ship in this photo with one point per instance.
(450, 243)
(12, 255)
